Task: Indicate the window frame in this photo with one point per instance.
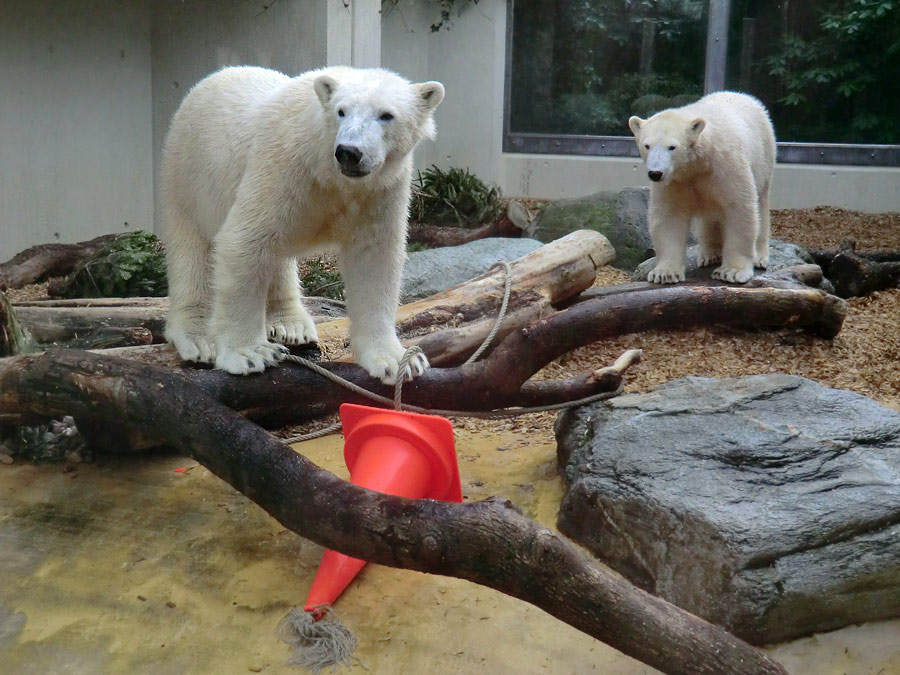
(843, 154)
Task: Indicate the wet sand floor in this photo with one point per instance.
(127, 566)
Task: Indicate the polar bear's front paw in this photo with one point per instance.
(733, 275)
(385, 365)
(249, 359)
(762, 262)
(292, 328)
(191, 346)
(665, 275)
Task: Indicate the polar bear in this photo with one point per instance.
(710, 162)
(260, 168)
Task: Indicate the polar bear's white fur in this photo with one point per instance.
(710, 162)
(260, 168)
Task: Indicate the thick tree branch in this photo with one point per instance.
(488, 542)
(39, 262)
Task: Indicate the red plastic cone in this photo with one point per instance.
(394, 452)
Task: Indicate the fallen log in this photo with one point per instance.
(440, 235)
(539, 280)
(47, 260)
(94, 323)
(488, 542)
(859, 273)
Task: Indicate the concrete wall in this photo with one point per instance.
(75, 127)
(193, 39)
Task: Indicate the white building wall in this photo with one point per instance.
(193, 39)
(75, 125)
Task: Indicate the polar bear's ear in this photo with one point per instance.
(430, 94)
(634, 123)
(697, 125)
(325, 86)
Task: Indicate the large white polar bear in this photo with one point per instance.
(710, 162)
(260, 168)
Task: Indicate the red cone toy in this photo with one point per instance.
(394, 452)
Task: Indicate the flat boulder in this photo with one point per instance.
(768, 504)
(437, 269)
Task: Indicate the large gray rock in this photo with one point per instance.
(620, 216)
(437, 269)
(767, 504)
(781, 255)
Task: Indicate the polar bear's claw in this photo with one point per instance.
(663, 275)
(761, 262)
(733, 275)
(252, 359)
(386, 367)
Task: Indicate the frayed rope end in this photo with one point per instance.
(318, 639)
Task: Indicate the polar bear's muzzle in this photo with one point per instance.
(349, 158)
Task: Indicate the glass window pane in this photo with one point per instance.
(586, 66)
(829, 72)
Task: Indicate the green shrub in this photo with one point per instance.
(320, 277)
(131, 265)
(453, 197)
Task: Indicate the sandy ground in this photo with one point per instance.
(129, 566)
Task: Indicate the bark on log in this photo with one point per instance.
(47, 260)
(488, 542)
(95, 323)
(439, 235)
(859, 273)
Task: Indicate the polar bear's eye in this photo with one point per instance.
(340, 112)
(646, 146)
(671, 147)
(386, 117)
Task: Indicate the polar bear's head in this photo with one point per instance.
(377, 117)
(666, 142)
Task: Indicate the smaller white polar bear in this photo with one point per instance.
(710, 162)
(260, 168)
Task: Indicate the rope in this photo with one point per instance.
(405, 372)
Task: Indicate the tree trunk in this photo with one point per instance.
(488, 542)
(47, 260)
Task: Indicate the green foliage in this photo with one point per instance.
(445, 7)
(453, 197)
(576, 64)
(320, 277)
(131, 265)
(416, 246)
(831, 76)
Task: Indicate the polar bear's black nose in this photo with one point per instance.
(655, 175)
(348, 156)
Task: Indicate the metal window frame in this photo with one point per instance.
(843, 154)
